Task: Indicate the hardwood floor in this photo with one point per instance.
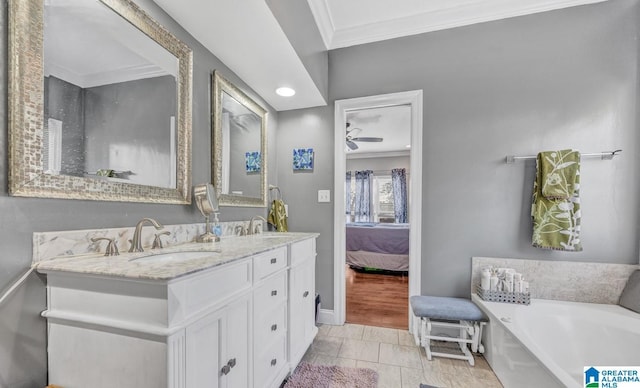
(377, 299)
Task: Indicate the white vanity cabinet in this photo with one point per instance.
(244, 323)
(302, 290)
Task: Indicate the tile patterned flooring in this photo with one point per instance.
(396, 358)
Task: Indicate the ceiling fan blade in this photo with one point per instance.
(352, 145)
(369, 139)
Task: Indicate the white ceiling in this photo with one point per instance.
(109, 49)
(347, 23)
(246, 36)
(391, 123)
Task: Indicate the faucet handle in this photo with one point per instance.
(241, 230)
(157, 242)
(112, 246)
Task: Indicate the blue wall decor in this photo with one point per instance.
(303, 158)
(253, 161)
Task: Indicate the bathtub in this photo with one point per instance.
(548, 343)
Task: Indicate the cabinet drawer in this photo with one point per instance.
(193, 294)
(269, 326)
(269, 295)
(269, 362)
(264, 264)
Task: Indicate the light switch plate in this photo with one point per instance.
(324, 195)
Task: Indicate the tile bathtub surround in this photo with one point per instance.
(394, 355)
(563, 280)
(51, 245)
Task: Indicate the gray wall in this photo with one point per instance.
(22, 330)
(309, 128)
(560, 79)
(379, 164)
(65, 102)
(132, 119)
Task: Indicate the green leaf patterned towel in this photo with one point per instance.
(278, 216)
(556, 201)
(559, 170)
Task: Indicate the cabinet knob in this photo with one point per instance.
(306, 293)
(274, 327)
(225, 370)
(274, 292)
(231, 363)
(274, 362)
(274, 260)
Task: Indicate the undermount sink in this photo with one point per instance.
(175, 256)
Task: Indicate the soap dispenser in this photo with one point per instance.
(217, 229)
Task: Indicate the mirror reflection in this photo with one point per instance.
(239, 146)
(99, 103)
(109, 97)
(241, 149)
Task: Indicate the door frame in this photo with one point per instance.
(342, 107)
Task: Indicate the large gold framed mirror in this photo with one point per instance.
(99, 103)
(239, 146)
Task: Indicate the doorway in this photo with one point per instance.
(343, 108)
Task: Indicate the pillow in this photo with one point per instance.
(630, 297)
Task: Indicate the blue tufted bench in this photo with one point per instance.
(459, 313)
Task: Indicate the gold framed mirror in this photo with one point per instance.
(239, 146)
(126, 148)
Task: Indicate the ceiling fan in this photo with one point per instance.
(351, 138)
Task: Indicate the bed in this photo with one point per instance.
(379, 246)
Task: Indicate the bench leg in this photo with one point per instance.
(425, 341)
(466, 338)
(416, 329)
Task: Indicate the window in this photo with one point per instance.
(381, 199)
(382, 202)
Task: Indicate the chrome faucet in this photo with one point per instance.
(136, 242)
(256, 229)
(112, 247)
(157, 241)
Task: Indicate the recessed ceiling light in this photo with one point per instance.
(285, 92)
(408, 146)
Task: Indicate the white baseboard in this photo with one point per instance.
(327, 317)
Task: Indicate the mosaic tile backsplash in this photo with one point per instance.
(563, 280)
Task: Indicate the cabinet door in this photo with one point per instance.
(302, 309)
(236, 335)
(218, 348)
(203, 352)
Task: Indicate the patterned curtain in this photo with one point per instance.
(399, 183)
(363, 196)
(347, 200)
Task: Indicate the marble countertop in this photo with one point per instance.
(166, 264)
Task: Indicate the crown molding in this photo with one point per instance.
(320, 11)
(445, 18)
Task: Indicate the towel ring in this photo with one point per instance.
(278, 194)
